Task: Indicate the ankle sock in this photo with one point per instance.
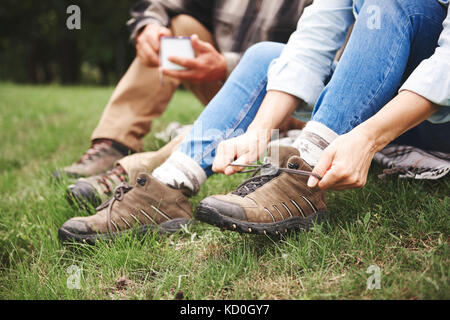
(179, 169)
(315, 137)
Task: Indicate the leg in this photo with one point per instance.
(98, 188)
(237, 103)
(427, 136)
(139, 97)
(227, 115)
(377, 61)
(161, 200)
(148, 161)
(137, 100)
(368, 76)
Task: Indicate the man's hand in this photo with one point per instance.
(245, 149)
(208, 65)
(148, 43)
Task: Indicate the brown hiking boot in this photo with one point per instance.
(147, 206)
(96, 189)
(271, 203)
(99, 158)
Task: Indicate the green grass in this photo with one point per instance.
(401, 226)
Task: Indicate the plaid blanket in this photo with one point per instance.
(406, 161)
(410, 162)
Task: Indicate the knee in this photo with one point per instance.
(402, 8)
(184, 25)
(263, 52)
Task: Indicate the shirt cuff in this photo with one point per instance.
(137, 28)
(431, 80)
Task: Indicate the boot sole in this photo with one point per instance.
(171, 226)
(212, 216)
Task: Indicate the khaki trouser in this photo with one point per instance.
(139, 96)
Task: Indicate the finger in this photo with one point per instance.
(142, 55)
(351, 182)
(181, 74)
(164, 32)
(229, 154)
(243, 159)
(321, 168)
(201, 46)
(330, 180)
(149, 56)
(341, 187)
(156, 38)
(225, 154)
(254, 149)
(185, 62)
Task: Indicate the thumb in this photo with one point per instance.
(199, 45)
(164, 32)
(243, 159)
(321, 168)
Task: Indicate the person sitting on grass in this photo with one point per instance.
(221, 31)
(391, 84)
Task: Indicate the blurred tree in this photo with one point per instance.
(37, 47)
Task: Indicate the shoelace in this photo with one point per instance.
(118, 195)
(107, 181)
(94, 151)
(256, 181)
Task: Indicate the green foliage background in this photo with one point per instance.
(37, 47)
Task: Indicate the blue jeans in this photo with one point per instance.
(234, 107)
(376, 63)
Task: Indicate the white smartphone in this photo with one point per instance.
(176, 47)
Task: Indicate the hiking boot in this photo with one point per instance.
(96, 189)
(99, 158)
(273, 203)
(149, 205)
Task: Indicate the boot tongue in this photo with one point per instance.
(184, 190)
(144, 180)
(279, 155)
(295, 162)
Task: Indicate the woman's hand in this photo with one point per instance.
(345, 162)
(250, 146)
(247, 148)
(244, 149)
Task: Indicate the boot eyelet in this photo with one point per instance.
(141, 181)
(293, 165)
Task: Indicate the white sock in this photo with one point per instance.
(179, 169)
(315, 137)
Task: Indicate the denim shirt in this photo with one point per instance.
(307, 60)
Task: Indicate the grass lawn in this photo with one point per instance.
(403, 227)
